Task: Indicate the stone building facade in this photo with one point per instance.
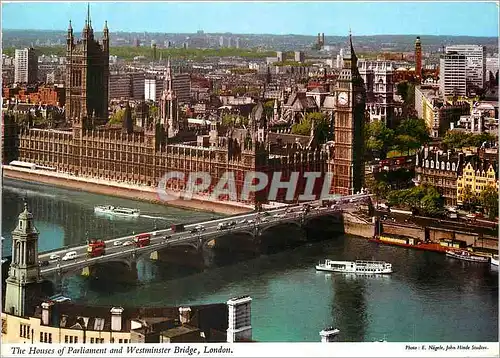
(439, 169)
(87, 74)
(142, 152)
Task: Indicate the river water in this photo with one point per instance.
(428, 297)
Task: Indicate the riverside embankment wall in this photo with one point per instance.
(119, 190)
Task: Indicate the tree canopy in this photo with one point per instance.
(456, 139)
(379, 139)
(423, 199)
(321, 125)
(489, 200)
(411, 134)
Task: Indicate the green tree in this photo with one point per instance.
(469, 198)
(117, 117)
(489, 200)
(321, 126)
(411, 134)
(424, 199)
(402, 89)
(379, 139)
(269, 108)
(478, 139)
(234, 120)
(379, 188)
(455, 139)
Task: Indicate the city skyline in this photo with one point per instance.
(368, 18)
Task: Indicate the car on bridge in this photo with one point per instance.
(43, 263)
(54, 257)
(70, 256)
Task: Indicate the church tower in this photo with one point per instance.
(87, 76)
(22, 285)
(347, 162)
(168, 104)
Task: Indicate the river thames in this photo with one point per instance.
(429, 297)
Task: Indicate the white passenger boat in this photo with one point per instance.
(116, 210)
(358, 267)
(466, 256)
(494, 260)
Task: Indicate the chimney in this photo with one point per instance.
(184, 314)
(240, 319)
(116, 318)
(46, 308)
(328, 335)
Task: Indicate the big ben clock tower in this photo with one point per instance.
(347, 160)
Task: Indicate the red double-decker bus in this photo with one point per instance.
(142, 240)
(96, 248)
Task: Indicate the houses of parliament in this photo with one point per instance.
(142, 149)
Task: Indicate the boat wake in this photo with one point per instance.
(26, 192)
(155, 217)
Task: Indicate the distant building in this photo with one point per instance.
(279, 56)
(475, 57)
(152, 90)
(25, 66)
(453, 74)
(418, 59)
(181, 84)
(299, 56)
(437, 113)
(491, 69)
(378, 77)
(129, 86)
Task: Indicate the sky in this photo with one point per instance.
(304, 18)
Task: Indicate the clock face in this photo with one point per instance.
(343, 98)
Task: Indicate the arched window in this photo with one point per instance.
(20, 224)
(427, 163)
(442, 165)
(432, 164)
(453, 167)
(447, 165)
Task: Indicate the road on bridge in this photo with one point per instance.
(124, 247)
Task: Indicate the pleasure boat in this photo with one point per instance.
(466, 256)
(116, 210)
(494, 260)
(358, 267)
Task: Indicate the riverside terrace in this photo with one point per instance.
(253, 225)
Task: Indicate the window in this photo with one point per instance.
(41, 337)
(65, 339)
(120, 340)
(92, 340)
(70, 339)
(453, 167)
(50, 337)
(76, 339)
(112, 340)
